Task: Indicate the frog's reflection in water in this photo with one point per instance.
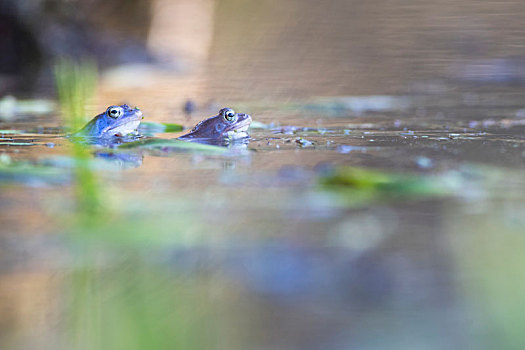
(121, 160)
(235, 153)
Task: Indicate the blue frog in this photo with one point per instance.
(225, 126)
(115, 121)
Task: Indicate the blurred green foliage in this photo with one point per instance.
(76, 83)
(133, 306)
(116, 299)
(147, 128)
(350, 180)
(490, 265)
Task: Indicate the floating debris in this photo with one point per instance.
(10, 107)
(303, 142)
(17, 144)
(287, 130)
(358, 104)
(424, 162)
(10, 132)
(344, 149)
(258, 125)
(490, 71)
(189, 107)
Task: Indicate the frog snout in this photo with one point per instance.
(138, 113)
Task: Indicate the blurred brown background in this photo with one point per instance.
(269, 48)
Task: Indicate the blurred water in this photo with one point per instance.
(245, 249)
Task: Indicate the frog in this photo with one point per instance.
(226, 126)
(117, 121)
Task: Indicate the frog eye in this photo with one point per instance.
(114, 112)
(228, 114)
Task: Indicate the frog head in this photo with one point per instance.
(227, 125)
(115, 121)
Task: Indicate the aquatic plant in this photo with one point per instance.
(362, 179)
(133, 306)
(356, 186)
(489, 261)
(116, 299)
(150, 128)
(76, 84)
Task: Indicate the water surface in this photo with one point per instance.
(244, 247)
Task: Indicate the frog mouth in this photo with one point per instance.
(239, 131)
(241, 127)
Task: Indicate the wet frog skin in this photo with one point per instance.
(115, 121)
(225, 126)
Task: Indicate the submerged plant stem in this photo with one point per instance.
(75, 86)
